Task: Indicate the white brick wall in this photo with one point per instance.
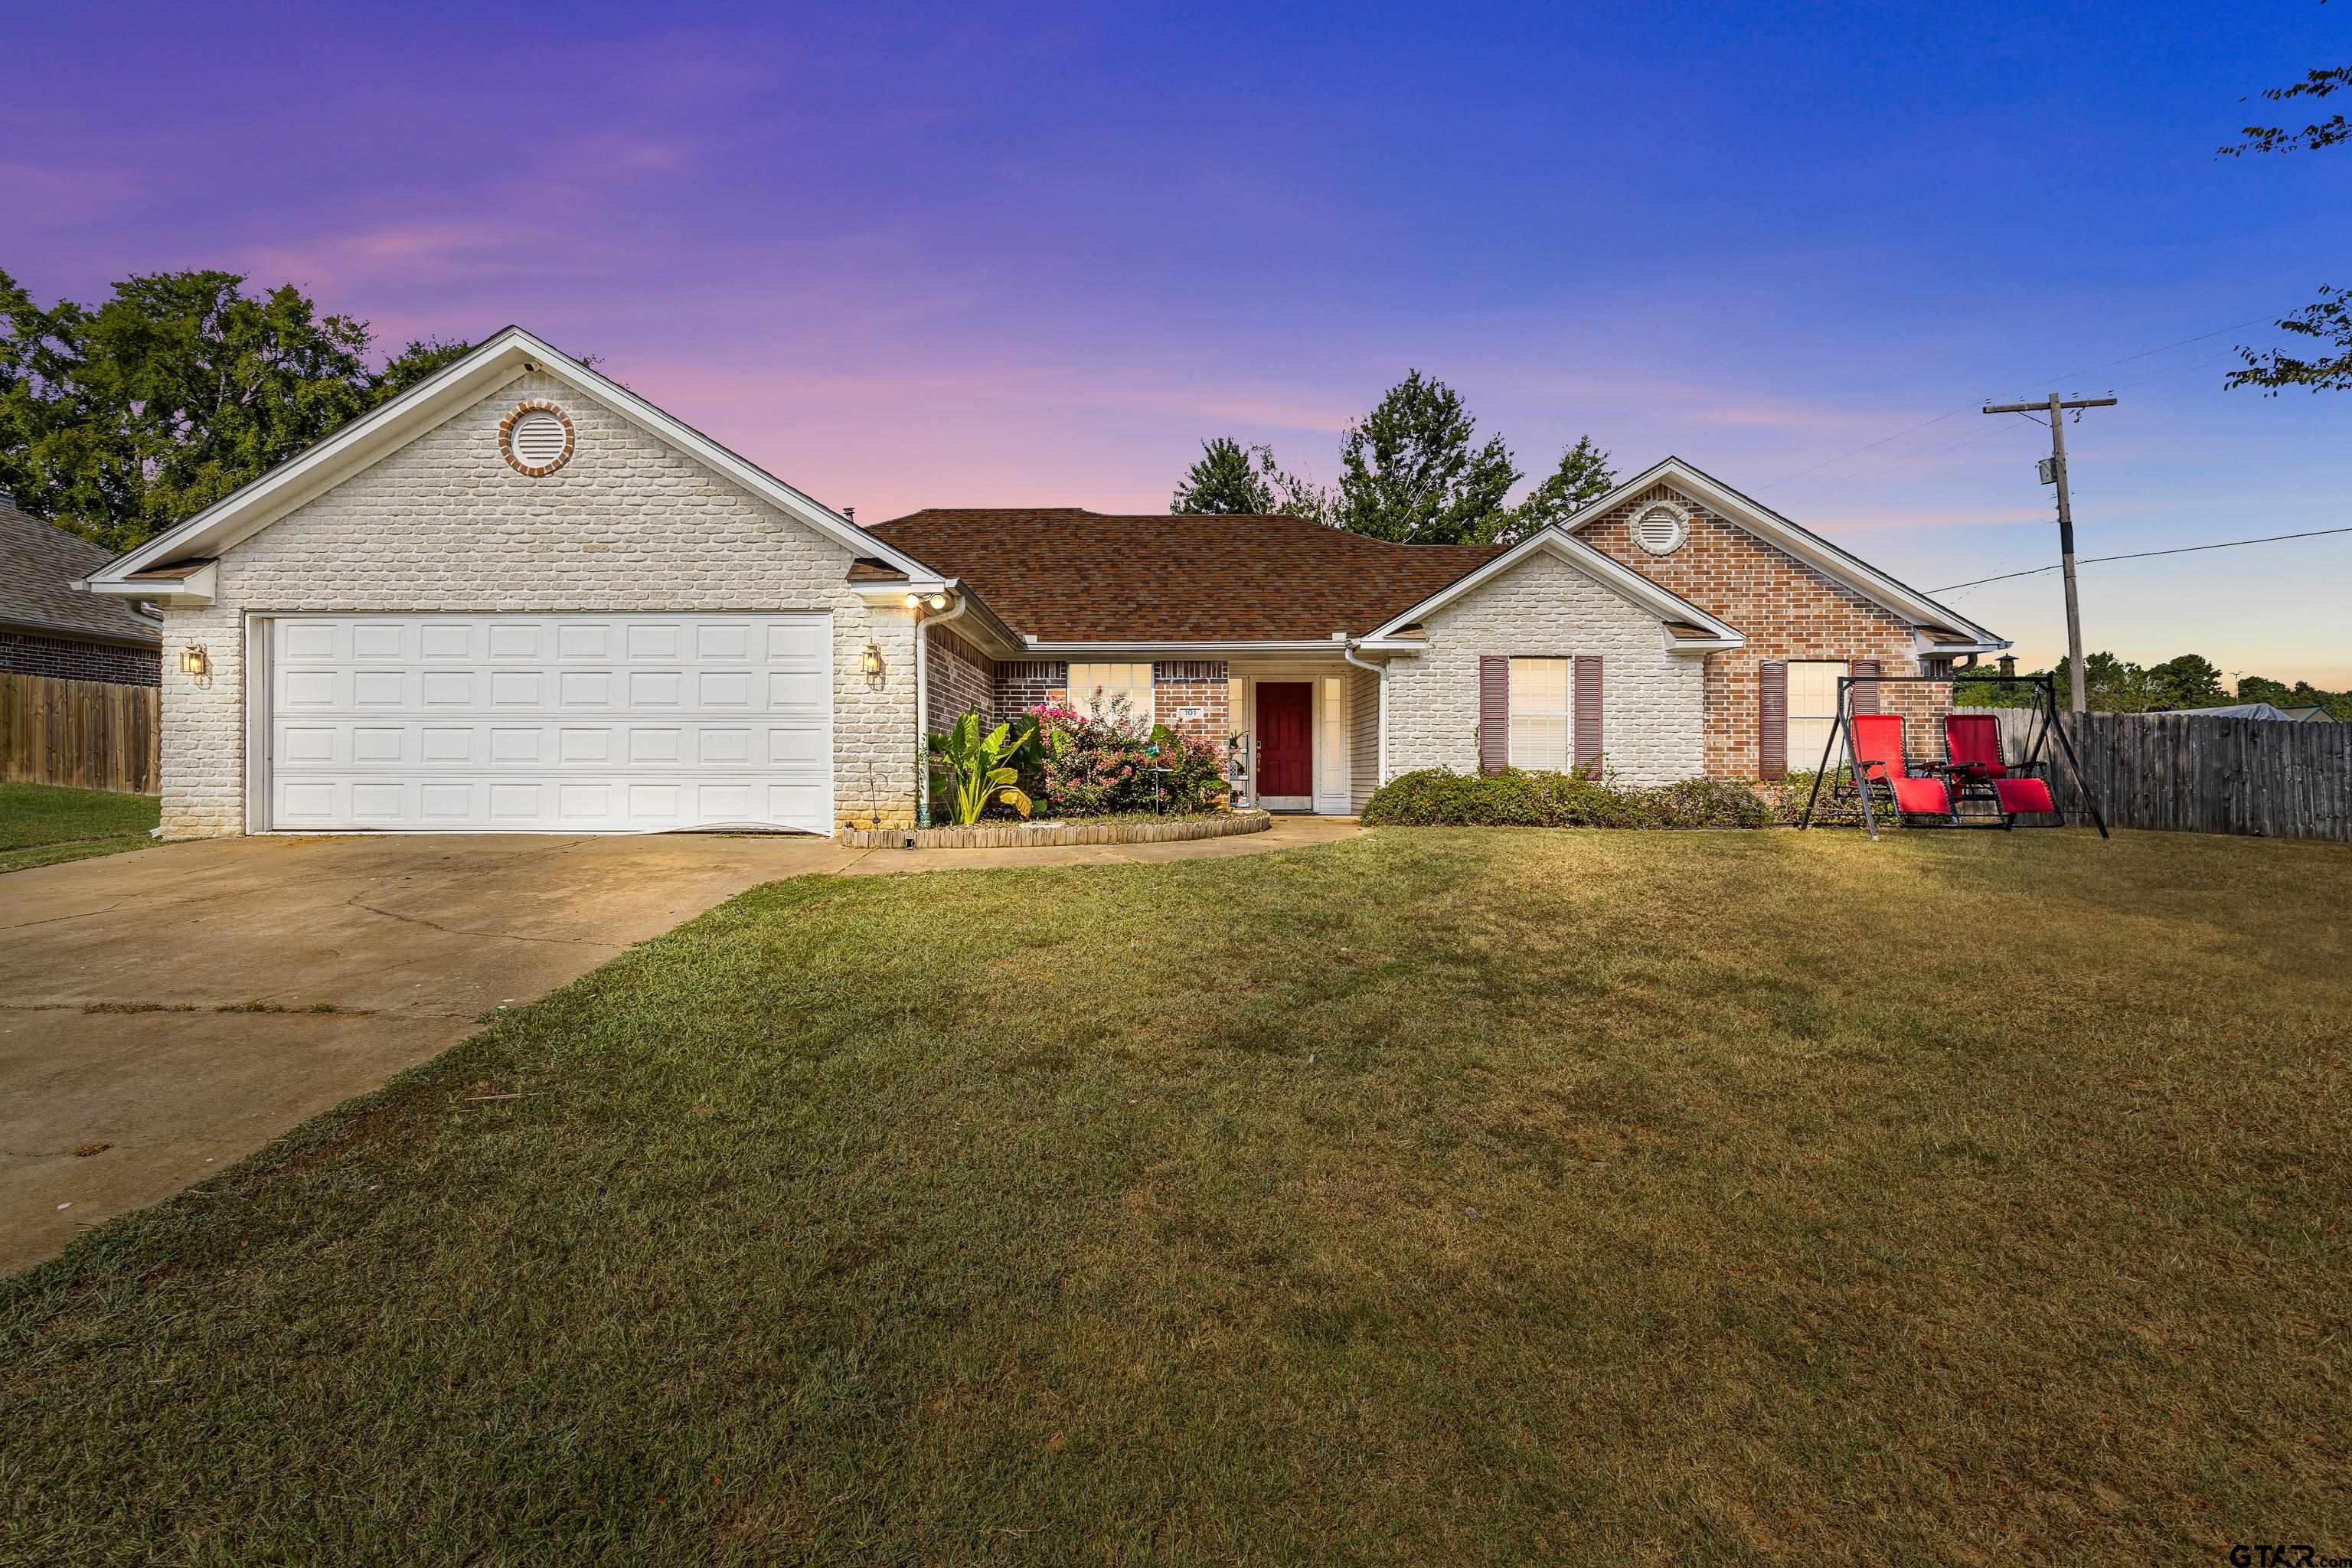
(1651, 724)
(445, 524)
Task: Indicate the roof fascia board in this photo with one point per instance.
(1035, 650)
(1790, 537)
(1555, 540)
(506, 356)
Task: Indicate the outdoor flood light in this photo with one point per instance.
(939, 601)
(914, 601)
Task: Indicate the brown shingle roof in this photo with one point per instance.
(1065, 575)
(37, 560)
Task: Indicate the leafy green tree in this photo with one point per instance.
(1582, 478)
(2187, 682)
(1408, 472)
(1224, 483)
(120, 421)
(1232, 479)
(2329, 320)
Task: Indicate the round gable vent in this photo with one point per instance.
(1661, 528)
(536, 438)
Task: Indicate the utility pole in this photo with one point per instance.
(2056, 408)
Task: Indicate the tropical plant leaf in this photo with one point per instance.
(1014, 798)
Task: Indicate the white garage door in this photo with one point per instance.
(572, 723)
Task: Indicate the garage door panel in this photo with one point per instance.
(550, 722)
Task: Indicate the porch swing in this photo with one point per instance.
(1972, 786)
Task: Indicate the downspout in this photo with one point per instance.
(1381, 765)
(923, 697)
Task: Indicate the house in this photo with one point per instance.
(47, 628)
(521, 598)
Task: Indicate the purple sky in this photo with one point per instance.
(961, 256)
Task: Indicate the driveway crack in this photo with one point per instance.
(353, 903)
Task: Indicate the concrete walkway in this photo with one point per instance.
(347, 959)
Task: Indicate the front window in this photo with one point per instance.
(1096, 690)
(1540, 716)
(1813, 712)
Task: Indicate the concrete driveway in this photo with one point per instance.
(120, 1081)
(124, 1079)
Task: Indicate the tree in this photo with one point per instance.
(1233, 479)
(1408, 471)
(119, 422)
(2329, 320)
(1582, 478)
(2187, 682)
(1224, 481)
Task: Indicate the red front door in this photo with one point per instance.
(1285, 744)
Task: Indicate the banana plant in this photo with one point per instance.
(978, 769)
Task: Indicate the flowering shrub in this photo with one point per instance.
(1092, 765)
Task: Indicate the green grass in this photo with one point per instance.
(43, 823)
(1437, 1197)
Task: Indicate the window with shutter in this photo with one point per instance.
(1540, 715)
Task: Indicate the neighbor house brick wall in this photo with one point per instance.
(70, 659)
(960, 680)
(444, 523)
(1652, 700)
(1193, 683)
(1788, 610)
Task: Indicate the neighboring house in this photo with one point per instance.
(521, 597)
(47, 627)
(2301, 715)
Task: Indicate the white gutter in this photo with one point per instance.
(1348, 651)
(923, 697)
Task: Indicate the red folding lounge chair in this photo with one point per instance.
(1878, 757)
(1972, 740)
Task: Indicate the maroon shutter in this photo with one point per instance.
(1493, 712)
(1865, 697)
(1771, 720)
(1588, 714)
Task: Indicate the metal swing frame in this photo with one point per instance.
(2046, 687)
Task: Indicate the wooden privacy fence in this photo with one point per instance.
(91, 734)
(2180, 772)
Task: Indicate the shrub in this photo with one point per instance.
(1439, 797)
(1097, 766)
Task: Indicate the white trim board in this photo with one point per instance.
(506, 357)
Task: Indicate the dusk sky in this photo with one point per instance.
(968, 255)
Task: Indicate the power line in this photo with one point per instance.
(1938, 419)
(2143, 554)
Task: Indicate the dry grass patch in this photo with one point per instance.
(1441, 1196)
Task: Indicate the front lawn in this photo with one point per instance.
(43, 823)
(1436, 1196)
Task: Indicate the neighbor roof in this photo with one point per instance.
(37, 561)
(1064, 574)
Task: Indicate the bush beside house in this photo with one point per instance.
(1439, 797)
(1077, 764)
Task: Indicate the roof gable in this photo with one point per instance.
(1799, 543)
(504, 358)
(1701, 631)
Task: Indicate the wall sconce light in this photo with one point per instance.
(195, 660)
(870, 662)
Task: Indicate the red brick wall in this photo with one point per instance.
(1787, 609)
(64, 659)
(1023, 684)
(960, 680)
(1193, 683)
